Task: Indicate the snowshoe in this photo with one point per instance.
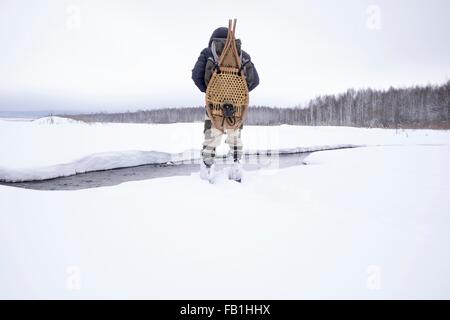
(207, 172)
(235, 172)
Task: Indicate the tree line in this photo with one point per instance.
(412, 107)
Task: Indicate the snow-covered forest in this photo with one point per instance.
(413, 107)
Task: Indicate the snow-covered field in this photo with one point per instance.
(370, 222)
(51, 147)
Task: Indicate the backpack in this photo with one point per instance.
(226, 96)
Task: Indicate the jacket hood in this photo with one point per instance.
(221, 33)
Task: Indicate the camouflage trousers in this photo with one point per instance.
(213, 138)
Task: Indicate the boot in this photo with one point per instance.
(207, 172)
(235, 172)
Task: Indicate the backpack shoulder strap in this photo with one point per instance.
(214, 52)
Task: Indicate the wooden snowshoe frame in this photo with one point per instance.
(227, 87)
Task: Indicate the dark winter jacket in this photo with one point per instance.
(198, 73)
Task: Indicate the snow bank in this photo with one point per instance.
(123, 159)
(95, 162)
(56, 120)
(39, 150)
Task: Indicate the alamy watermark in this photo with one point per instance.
(373, 281)
(73, 17)
(373, 21)
(73, 278)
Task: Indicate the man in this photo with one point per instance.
(201, 74)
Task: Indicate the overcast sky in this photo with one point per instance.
(116, 55)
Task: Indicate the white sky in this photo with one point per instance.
(125, 55)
